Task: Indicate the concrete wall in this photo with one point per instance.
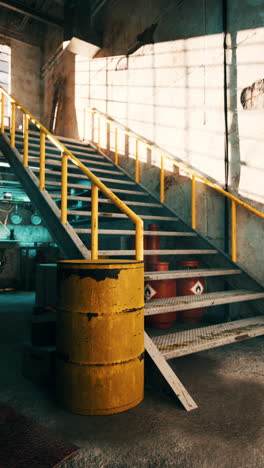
(172, 93)
(25, 76)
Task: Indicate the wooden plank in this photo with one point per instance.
(169, 375)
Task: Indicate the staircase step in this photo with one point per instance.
(51, 183)
(105, 200)
(50, 147)
(174, 304)
(194, 273)
(120, 232)
(121, 215)
(68, 142)
(83, 176)
(198, 339)
(51, 162)
(57, 157)
(159, 252)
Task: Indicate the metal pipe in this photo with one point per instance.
(64, 187)
(94, 223)
(42, 158)
(193, 202)
(234, 231)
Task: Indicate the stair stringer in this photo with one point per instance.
(63, 233)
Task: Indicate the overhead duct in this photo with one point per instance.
(78, 22)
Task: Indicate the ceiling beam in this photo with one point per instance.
(27, 11)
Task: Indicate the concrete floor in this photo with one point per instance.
(226, 431)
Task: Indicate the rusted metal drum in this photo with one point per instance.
(187, 287)
(100, 335)
(157, 290)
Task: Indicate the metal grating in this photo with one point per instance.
(199, 339)
(173, 304)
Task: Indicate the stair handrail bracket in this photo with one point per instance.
(194, 176)
(65, 156)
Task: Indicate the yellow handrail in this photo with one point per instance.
(66, 154)
(194, 176)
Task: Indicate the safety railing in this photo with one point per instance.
(195, 176)
(66, 156)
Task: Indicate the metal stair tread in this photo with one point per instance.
(86, 158)
(83, 176)
(52, 147)
(122, 232)
(158, 252)
(105, 200)
(54, 183)
(174, 304)
(198, 339)
(50, 162)
(68, 142)
(193, 273)
(121, 215)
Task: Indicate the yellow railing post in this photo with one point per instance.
(99, 133)
(2, 113)
(13, 125)
(94, 223)
(137, 177)
(116, 146)
(64, 187)
(84, 123)
(25, 131)
(42, 157)
(162, 188)
(233, 229)
(193, 202)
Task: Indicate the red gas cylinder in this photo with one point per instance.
(153, 243)
(188, 287)
(158, 290)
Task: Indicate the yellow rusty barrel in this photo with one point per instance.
(100, 335)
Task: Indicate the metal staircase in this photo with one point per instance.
(65, 180)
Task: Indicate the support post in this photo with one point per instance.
(99, 133)
(162, 190)
(25, 150)
(137, 177)
(13, 125)
(234, 231)
(193, 202)
(94, 223)
(64, 187)
(84, 123)
(170, 376)
(116, 146)
(2, 113)
(42, 161)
